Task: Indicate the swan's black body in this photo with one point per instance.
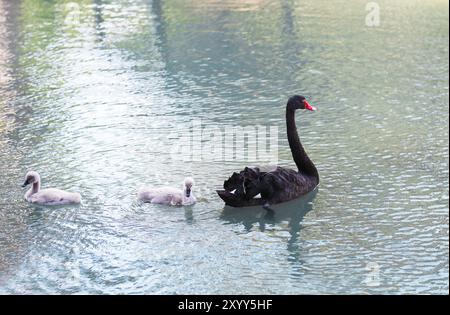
(281, 184)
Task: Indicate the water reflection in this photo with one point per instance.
(291, 212)
(287, 216)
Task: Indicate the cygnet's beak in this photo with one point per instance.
(25, 184)
(188, 192)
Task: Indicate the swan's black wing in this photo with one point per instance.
(286, 184)
(235, 184)
(244, 184)
(274, 187)
(236, 201)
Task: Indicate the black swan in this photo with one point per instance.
(281, 184)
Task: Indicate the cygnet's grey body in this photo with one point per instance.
(169, 195)
(49, 196)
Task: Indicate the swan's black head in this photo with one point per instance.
(299, 102)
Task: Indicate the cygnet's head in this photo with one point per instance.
(31, 178)
(188, 183)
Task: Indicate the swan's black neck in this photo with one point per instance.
(301, 159)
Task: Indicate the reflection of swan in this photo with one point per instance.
(292, 211)
(287, 216)
(169, 195)
(50, 196)
(281, 184)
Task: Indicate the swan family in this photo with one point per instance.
(249, 187)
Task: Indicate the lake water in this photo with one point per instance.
(100, 95)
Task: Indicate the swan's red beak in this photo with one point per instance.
(309, 107)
